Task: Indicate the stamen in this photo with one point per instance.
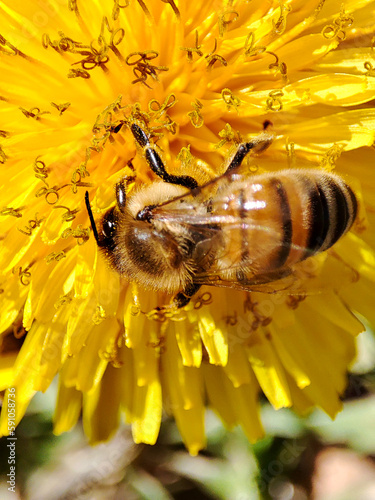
(319, 7)
(203, 300)
(80, 234)
(99, 315)
(3, 156)
(117, 36)
(174, 8)
(170, 125)
(330, 157)
(232, 16)
(145, 10)
(116, 8)
(78, 73)
(157, 110)
(32, 224)
(95, 54)
(370, 69)
(337, 29)
(55, 256)
(40, 169)
(81, 172)
(24, 275)
(228, 135)
(193, 50)
(230, 99)
(64, 300)
(69, 215)
(154, 105)
(73, 7)
(138, 115)
(280, 25)
(291, 156)
(61, 107)
(51, 195)
(250, 49)
(111, 354)
(231, 320)
(4, 45)
(195, 116)
(274, 102)
(142, 68)
(185, 157)
(34, 113)
(212, 58)
(280, 66)
(259, 319)
(14, 212)
(46, 41)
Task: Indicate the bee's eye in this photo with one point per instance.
(109, 224)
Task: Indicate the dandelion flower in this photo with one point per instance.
(201, 77)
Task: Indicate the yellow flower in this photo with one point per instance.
(199, 76)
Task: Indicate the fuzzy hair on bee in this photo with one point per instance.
(237, 231)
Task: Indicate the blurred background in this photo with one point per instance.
(300, 458)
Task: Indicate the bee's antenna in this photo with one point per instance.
(93, 225)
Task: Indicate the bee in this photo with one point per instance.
(237, 231)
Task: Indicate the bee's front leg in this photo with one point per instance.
(156, 163)
(257, 145)
(180, 300)
(183, 298)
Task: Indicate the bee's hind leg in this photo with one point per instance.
(156, 163)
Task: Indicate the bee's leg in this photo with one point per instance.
(155, 162)
(259, 144)
(183, 298)
(121, 191)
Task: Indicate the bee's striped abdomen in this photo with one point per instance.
(286, 221)
(333, 211)
(322, 209)
(284, 218)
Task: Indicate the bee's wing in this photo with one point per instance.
(192, 212)
(316, 275)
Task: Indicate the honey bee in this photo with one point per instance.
(235, 231)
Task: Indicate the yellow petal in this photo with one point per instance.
(183, 399)
(147, 411)
(68, 409)
(101, 415)
(214, 339)
(189, 342)
(7, 370)
(268, 370)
